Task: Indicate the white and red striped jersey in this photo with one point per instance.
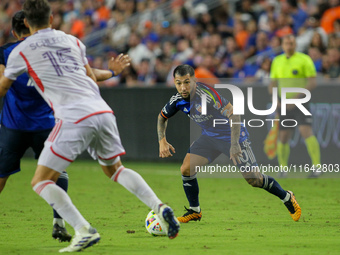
(55, 61)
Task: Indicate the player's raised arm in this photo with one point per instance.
(116, 66)
(235, 148)
(165, 148)
(90, 73)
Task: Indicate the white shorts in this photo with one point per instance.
(98, 134)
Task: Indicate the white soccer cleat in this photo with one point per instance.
(86, 237)
(167, 216)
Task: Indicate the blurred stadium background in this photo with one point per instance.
(231, 41)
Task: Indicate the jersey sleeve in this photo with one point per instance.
(15, 65)
(310, 70)
(227, 108)
(218, 102)
(82, 48)
(170, 109)
(222, 104)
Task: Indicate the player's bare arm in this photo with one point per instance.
(90, 73)
(165, 148)
(116, 65)
(5, 84)
(235, 148)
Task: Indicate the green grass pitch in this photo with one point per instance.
(237, 219)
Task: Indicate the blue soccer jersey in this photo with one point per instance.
(23, 107)
(218, 108)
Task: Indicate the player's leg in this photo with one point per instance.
(285, 135)
(251, 172)
(313, 147)
(13, 145)
(190, 186)
(44, 185)
(37, 140)
(107, 147)
(134, 182)
(200, 153)
(59, 151)
(59, 231)
(283, 148)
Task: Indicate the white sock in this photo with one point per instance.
(135, 183)
(61, 202)
(60, 222)
(196, 208)
(286, 198)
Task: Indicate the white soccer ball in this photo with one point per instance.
(154, 225)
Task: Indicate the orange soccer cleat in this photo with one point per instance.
(293, 207)
(189, 216)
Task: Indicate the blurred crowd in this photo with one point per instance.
(231, 39)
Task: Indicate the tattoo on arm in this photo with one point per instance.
(235, 128)
(161, 127)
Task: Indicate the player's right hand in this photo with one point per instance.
(165, 149)
(118, 64)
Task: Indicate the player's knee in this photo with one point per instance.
(34, 182)
(185, 170)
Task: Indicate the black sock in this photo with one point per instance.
(62, 182)
(273, 187)
(191, 190)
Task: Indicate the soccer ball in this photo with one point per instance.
(154, 225)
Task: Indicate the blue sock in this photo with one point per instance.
(273, 187)
(62, 182)
(191, 190)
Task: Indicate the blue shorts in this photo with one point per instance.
(210, 148)
(13, 145)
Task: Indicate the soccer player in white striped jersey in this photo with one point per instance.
(57, 63)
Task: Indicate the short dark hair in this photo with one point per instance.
(182, 70)
(37, 12)
(18, 24)
(293, 3)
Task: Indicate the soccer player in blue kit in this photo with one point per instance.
(231, 140)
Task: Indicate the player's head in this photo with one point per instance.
(37, 13)
(18, 25)
(289, 44)
(185, 80)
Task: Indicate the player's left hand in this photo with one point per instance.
(118, 64)
(235, 153)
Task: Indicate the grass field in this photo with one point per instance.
(237, 219)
